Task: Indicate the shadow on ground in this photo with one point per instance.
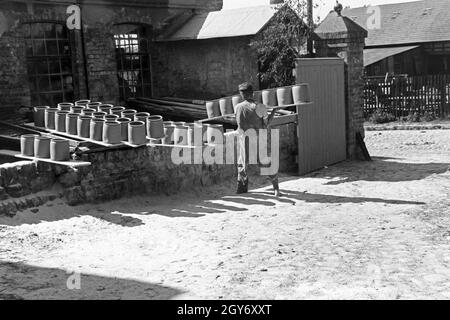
(22, 281)
(198, 202)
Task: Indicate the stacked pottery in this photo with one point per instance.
(284, 96)
(180, 135)
(124, 127)
(72, 123)
(257, 96)
(39, 116)
(129, 113)
(42, 147)
(269, 98)
(215, 134)
(155, 127)
(105, 108)
(96, 129)
(195, 134)
(300, 93)
(76, 109)
(226, 106)
(84, 126)
(59, 150)
(236, 100)
(88, 112)
(93, 105)
(65, 106)
(60, 121)
(99, 115)
(169, 128)
(50, 114)
(112, 132)
(212, 109)
(27, 145)
(82, 103)
(136, 133)
(111, 117)
(117, 111)
(142, 117)
(179, 123)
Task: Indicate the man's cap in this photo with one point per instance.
(245, 87)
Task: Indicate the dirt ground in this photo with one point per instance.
(356, 230)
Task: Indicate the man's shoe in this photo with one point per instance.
(242, 188)
(277, 193)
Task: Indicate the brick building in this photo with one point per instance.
(111, 57)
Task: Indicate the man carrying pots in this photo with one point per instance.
(252, 115)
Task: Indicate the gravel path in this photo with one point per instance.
(378, 230)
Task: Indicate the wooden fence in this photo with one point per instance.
(402, 95)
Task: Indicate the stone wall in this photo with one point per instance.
(117, 173)
(205, 69)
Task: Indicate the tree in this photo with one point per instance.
(280, 43)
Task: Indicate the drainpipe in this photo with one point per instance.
(311, 27)
(83, 51)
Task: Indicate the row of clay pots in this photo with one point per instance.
(270, 97)
(182, 133)
(44, 147)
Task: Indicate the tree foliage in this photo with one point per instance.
(280, 43)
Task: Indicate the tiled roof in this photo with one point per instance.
(406, 23)
(224, 23)
(377, 54)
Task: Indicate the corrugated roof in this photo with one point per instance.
(224, 23)
(377, 54)
(406, 23)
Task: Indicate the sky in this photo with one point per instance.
(325, 6)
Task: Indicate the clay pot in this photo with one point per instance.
(39, 116)
(88, 112)
(82, 102)
(179, 123)
(141, 116)
(195, 134)
(112, 132)
(49, 120)
(212, 109)
(168, 123)
(129, 113)
(226, 106)
(72, 123)
(42, 147)
(214, 131)
(76, 109)
(59, 150)
(111, 117)
(269, 98)
(105, 108)
(117, 111)
(99, 114)
(136, 133)
(284, 96)
(257, 96)
(124, 127)
(65, 106)
(300, 93)
(236, 100)
(180, 135)
(93, 105)
(27, 145)
(168, 134)
(84, 126)
(96, 129)
(60, 121)
(155, 127)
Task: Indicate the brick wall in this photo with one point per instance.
(98, 22)
(205, 69)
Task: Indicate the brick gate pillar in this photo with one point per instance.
(342, 37)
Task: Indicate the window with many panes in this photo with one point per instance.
(49, 63)
(133, 61)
